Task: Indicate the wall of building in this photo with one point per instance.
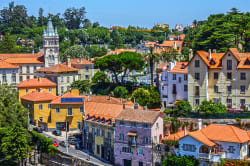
(62, 116)
(9, 76)
(24, 74)
(63, 82)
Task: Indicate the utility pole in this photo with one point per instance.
(152, 152)
(67, 148)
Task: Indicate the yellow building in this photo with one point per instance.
(220, 77)
(52, 112)
(98, 131)
(36, 84)
(38, 104)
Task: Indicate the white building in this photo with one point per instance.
(173, 83)
(214, 142)
(8, 73)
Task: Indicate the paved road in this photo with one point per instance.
(80, 154)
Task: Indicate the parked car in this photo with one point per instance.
(57, 132)
(38, 129)
(73, 141)
(55, 143)
(63, 143)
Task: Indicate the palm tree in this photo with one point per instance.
(151, 58)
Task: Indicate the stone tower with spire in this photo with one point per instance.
(51, 45)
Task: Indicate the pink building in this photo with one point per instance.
(136, 132)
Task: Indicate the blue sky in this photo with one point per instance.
(143, 13)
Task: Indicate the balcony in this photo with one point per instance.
(132, 143)
(215, 157)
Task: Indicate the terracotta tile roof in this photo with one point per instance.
(59, 68)
(131, 134)
(77, 61)
(158, 51)
(6, 56)
(244, 61)
(180, 67)
(39, 96)
(36, 82)
(23, 60)
(6, 65)
(138, 116)
(118, 51)
(182, 36)
(102, 110)
(150, 44)
(66, 95)
(223, 133)
(175, 136)
(170, 43)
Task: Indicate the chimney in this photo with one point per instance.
(88, 97)
(109, 97)
(190, 54)
(214, 50)
(200, 124)
(185, 131)
(39, 79)
(124, 106)
(210, 54)
(68, 61)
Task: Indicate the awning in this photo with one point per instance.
(131, 134)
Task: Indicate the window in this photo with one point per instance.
(145, 140)
(197, 63)
(121, 136)
(140, 163)
(98, 132)
(81, 109)
(185, 77)
(69, 111)
(13, 77)
(189, 147)
(157, 124)
(103, 133)
(49, 106)
(229, 64)
(109, 134)
(21, 70)
(229, 89)
(174, 76)
(140, 151)
(87, 68)
(126, 149)
(242, 102)
(27, 90)
(229, 102)
(133, 124)
(67, 79)
(50, 89)
(57, 110)
(28, 69)
(40, 106)
(231, 149)
(243, 76)
(197, 102)
(68, 88)
(145, 125)
(4, 77)
(98, 149)
(41, 118)
(216, 75)
(28, 77)
(197, 91)
(62, 90)
(74, 78)
(179, 79)
(216, 100)
(242, 88)
(216, 89)
(229, 75)
(61, 78)
(174, 89)
(121, 123)
(86, 77)
(20, 78)
(34, 68)
(197, 76)
(185, 88)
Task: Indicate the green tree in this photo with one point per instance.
(116, 39)
(209, 107)
(154, 98)
(141, 96)
(181, 109)
(100, 77)
(111, 63)
(131, 61)
(74, 17)
(82, 85)
(75, 51)
(121, 92)
(8, 44)
(173, 160)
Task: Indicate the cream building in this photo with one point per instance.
(220, 77)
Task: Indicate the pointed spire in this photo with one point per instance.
(50, 28)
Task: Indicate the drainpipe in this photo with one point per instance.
(206, 83)
(236, 87)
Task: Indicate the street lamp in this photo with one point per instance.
(67, 148)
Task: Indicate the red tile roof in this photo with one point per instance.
(175, 136)
(77, 61)
(138, 116)
(59, 68)
(180, 67)
(39, 96)
(23, 60)
(30, 55)
(170, 43)
(118, 51)
(36, 82)
(66, 95)
(6, 65)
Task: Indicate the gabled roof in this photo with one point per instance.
(118, 51)
(198, 135)
(171, 43)
(79, 61)
(138, 116)
(28, 55)
(23, 60)
(175, 136)
(39, 96)
(180, 67)
(36, 82)
(66, 95)
(59, 68)
(6, 65)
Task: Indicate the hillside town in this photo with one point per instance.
(76, 93)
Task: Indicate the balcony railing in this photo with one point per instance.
(215, 157)
(204, 155)
(131, 143)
